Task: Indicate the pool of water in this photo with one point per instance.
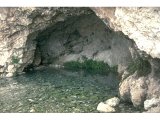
(58, 90)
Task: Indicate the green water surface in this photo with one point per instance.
(58, 90)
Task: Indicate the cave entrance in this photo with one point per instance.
(71, 39)
(81, 36)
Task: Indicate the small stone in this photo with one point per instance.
(105, 108)
(113, 101)
(30, 100)
(9, 75)
(151, 103)
(32, 110)
(11, 68)
(154, 109)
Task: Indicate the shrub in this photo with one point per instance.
(90, 65)
(142, 67)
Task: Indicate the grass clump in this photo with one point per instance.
(91, 66)
(142, 67)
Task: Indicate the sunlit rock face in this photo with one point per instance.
(139, 24)
(48, 35)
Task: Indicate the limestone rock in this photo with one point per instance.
(151, 103)
(32, 110)
(20, 27)
(133, 89)
(140, 24)
(11, 68)
(102, 107)
(56, 35)
(137, 89)
(1, 70)
(9, 74)
(63, 34)
(113, 102)
(154, 109)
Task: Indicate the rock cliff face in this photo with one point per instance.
(141, 25)
(19, 29)
(35, 36)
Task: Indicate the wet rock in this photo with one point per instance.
(31, 100)
(151, 103)
(113, 102)
(102, 107)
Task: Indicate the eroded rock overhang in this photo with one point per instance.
(21, 29)
(140, 24)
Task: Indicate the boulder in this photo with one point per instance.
(154, 109)
(151, 103)
(102, 107)
(113, 102)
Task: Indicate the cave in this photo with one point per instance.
(75, 37)
(36, 44)
(52, 37)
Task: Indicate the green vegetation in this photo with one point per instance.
(142, 67)
(91, 66)
(15, 59)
